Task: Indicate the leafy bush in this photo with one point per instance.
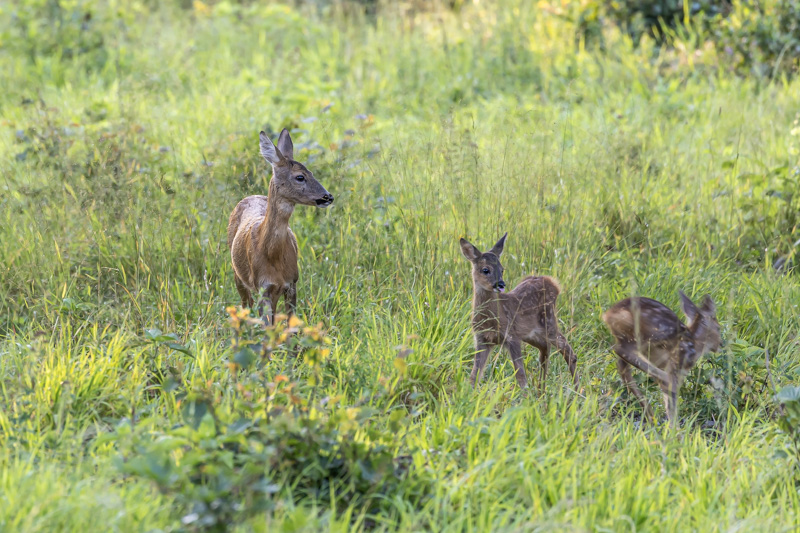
(658, 17)
(73, 32)
(762, 38)
(231, 458)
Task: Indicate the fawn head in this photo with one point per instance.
(703, 324)
(293, 181)
(487, 272)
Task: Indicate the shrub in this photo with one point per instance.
(762, 38)
(231, 458)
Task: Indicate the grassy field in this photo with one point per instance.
(128, 136)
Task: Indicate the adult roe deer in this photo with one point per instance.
(263, 247)
(526, 314)
(653, 339)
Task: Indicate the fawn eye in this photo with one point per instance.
(485, 270)
(300, 177)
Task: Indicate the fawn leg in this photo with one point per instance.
(670, 392)
(544, 363)
(514, 348)
(624, 369)
(569, 356)
(244, 293)
(482, 353)
(629, 352)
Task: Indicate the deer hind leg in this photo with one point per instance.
(479, 366)
(244, 293)
(514, 348)
(557, 339)
(544, 363)
(624, 369)
(569, 356)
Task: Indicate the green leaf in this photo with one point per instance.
(239, 426)
(152, 334)
(194, 411)
(367, 471)
(780, 454)
(788, 394)
(365, 412)
(244, 357)
(395, 419)
(179, 348)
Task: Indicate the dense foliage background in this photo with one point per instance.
(627, 147)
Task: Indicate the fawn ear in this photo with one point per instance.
(285, 146)
(689, 309)
(268, 150)
(469, 250)
(708, 305)
(497, 249)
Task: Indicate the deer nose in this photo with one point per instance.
(326, 200)
(500, 286)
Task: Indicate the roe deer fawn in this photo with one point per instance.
(263, 247)
(526, 314)
(653, 339)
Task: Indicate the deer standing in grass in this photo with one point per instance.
(263, 247)
(653, 339)
(526, 314)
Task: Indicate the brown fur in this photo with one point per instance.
(651, 337)
(263, 247)
(526, 314)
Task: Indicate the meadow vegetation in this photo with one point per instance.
(620, 161)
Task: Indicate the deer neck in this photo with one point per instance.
(695, 343)
(486, 305)
(274, 230)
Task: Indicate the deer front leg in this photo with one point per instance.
(266, 304)
(290, 299)
(624, 369)
(630, 352)
(482, 353)
(514, 348)
(669, 390)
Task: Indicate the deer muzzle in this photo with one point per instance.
(325, 201)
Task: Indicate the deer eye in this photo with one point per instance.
(485, 270)
(300, 177)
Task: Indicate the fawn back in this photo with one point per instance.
(525, 314)
(652, 338)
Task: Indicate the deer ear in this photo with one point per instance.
(689, 309)
(469, 251)
(497, 249)
(268, 150)
(708, 305)
(285, 145)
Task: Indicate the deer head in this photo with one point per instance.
(487, 271)
(292, 181)
(703, 326)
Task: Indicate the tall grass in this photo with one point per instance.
(623, 171)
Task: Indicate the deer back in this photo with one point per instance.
(531, 308)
